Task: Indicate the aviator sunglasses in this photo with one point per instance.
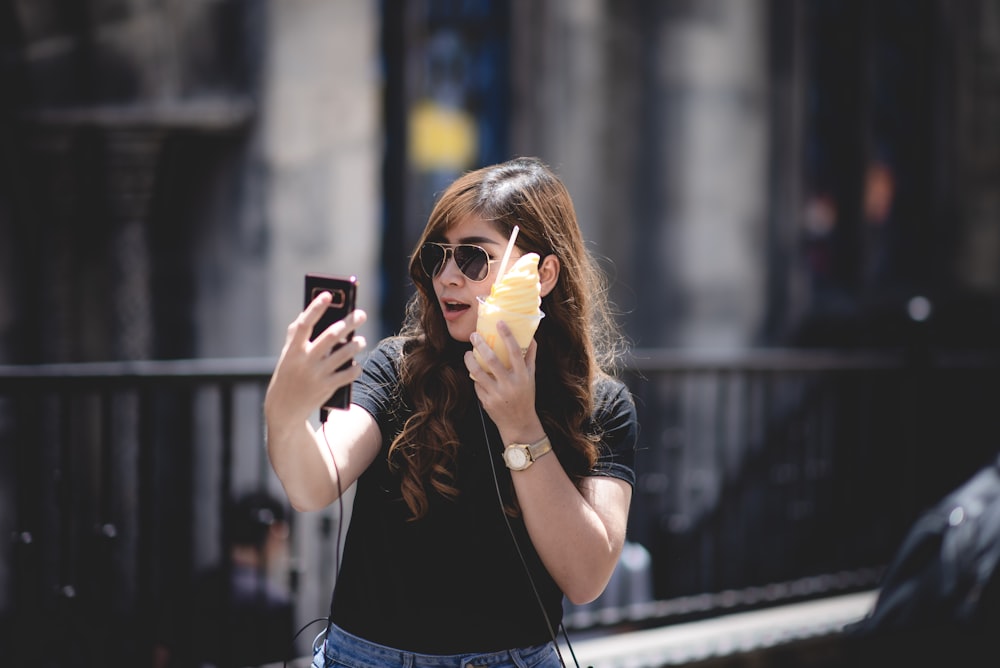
(473, 261)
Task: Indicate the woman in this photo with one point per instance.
(452, 558)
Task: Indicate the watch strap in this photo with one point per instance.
(540, 447)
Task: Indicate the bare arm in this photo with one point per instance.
(579, 534)
(307, 461)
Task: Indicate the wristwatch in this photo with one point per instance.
(519, 456)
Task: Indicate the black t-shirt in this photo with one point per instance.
(453, 582)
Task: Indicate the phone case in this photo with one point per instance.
(344, 291)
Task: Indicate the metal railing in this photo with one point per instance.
(764, 477)
(116, 476)
(773, 476)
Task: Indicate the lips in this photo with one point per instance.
(453, 309)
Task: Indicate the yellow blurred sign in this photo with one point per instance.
(441, 137)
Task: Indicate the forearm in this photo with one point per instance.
(306, 374)
(316, 466)
(578, 534)
(302, 464)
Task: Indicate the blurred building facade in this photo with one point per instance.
(752, 173)
(172, 169)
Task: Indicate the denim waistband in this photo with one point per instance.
(350, 650)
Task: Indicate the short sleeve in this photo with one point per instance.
(377, 390)
(616, 423)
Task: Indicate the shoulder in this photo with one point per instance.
(377, 390)
(616, 428)
(384, 359)
(380, 388)
(612, 400)
(390, 348)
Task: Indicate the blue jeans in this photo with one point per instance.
(343, 649)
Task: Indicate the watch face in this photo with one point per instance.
(516, 458)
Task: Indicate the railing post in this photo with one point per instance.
(132, 166)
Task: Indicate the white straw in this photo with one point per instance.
(506, 254)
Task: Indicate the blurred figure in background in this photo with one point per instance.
(939, 599)
(234, 615)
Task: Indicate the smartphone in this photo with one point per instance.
(344, 290)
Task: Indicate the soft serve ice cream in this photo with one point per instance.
(515, 298)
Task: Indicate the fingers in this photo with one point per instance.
(300, 328)
(484, 361)
(530, 356)
(338, 333)
(341, 356)
(341, 367)
(515, 353)
(507, 395)
(308, 372)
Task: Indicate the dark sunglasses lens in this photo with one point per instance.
(473, 261)
(431, 259)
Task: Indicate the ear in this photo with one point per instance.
(548, 273)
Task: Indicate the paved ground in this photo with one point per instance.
(720, 636)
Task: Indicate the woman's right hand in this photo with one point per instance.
(307, 371)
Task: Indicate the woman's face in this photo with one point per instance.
(456, 293)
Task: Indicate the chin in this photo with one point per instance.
(460, 334)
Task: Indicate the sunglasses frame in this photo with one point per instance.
(449, 249)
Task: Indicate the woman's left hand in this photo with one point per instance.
(508, 395)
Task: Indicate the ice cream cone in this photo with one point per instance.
(522, 326)
(515, 298)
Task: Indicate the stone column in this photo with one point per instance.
(656, 117)
(577, 79)
(320, 146)
(710, 83)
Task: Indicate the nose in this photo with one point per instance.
(450, 273)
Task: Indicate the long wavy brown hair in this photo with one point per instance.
(577, 340)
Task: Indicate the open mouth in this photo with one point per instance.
(455, 307)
